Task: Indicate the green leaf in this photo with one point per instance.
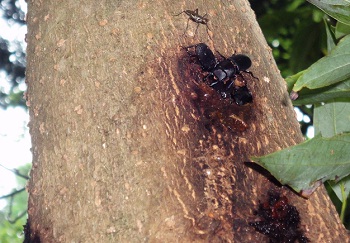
(328, 70)
(338, 9)
(341, 30)
(306, 166)
(335, 2)
(291, 80)
(337, 187)
(331, 40)
(332, 118)
(315, 96)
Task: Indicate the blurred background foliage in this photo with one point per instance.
(294, 29)
(12, 85)
(12, 56)
(13, 215)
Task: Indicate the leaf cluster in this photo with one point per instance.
(325, 85)
(295, 32)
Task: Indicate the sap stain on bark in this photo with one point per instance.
(215, 138)
(213, 111)
(279, 220)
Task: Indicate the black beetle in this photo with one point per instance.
(222, 74)
(230, 68)
(242, 95)
(220, 71)
(204, 55)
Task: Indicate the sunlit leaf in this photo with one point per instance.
(291, 80)
(338, 9)
(335, 2)
(328, 70)
(306, 166)
(314, 96)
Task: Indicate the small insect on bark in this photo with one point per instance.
(195, 17)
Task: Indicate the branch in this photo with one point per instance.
(12, 221)
(13, 193)
(16, 172)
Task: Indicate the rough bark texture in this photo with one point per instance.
(123, 147)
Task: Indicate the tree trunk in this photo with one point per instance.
(130, 146)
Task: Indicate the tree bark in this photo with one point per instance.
(123, 147)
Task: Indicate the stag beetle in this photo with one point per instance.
(221, 71)
(230, 67)
(222, 74)
(242, 95)
(204, 55)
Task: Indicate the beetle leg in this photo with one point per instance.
(232, 81)
(250, 73)
(206, 77)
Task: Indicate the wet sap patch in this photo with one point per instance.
(213, 112)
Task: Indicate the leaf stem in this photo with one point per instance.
(344, 201)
